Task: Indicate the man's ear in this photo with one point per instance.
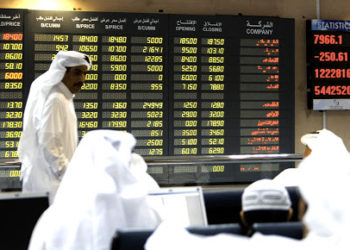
(290, 213)
(242, 218)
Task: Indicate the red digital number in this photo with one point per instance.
(332, 73)
(332, 90)
(331, 56)
(12, 36)
(328, 39)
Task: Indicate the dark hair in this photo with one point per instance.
(87, 59)
(68, 68)
(256, 216)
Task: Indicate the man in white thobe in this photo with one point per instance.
(324, 181)
(49, 136)
(104, 189)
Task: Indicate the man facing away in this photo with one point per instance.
(50, 134)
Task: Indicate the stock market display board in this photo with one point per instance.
(328, 67)
(183, 85)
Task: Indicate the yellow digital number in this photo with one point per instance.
(216, 78)
(152, 105)
(191, 123)
(189, 50)
(117, 39)
(216, 114)
(14, 105)
(155, 151)
(215, 68)
(60, 38)
(189, 151)
(120, 77)
(157, 40)
(60, 47)
(118, 86)
(217, 132)
(118, 67)
(157, 133)
(213, 50)
(89, 86)
(88, 39)
(192, 141)
(117, 124)
(88, 48)
(156, 86)
(189, 68)
(88, 124)
(190, 105)
(90, 105)
(13, 56)
(216, 59)
(216, 141)
(120, 105)
(188, 40)
(155, 142)
(152, 49)
(119, 115)
(189, 114)
(216, 41)
(215, 123)
(189, 77)
(11, 144)
(156, 59)
(154, 124)
(189, 132)
(89, 115)
(189, 86)
(216, 150)
(15, 173)
(188, 59)
(12, 46)
(11, 124)
(218, 168)
(13, 85)
(117, 49)
(13, 134)
(13, 65)
(13, 115)
(154, 68)
(11, 154)
(117, 58)
(217, 105)
(154, 114)
(91, 77)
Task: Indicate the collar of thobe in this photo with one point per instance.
(69, 95)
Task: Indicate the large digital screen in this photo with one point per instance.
(328, 67)
(183, 85)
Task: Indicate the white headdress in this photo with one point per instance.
(39, 92)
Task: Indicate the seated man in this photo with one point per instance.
(264, 201)
(103, 189)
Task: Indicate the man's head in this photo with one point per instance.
(75, 77)
(309, 140)
(69, 67)
(265, 201)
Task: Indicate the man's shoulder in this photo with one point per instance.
(56, 97)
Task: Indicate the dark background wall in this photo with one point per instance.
(305, 120)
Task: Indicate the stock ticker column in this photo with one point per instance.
(11, 81)
(149, 85)
(126, 88)
(49, 32)
(328, 69)
(197, 93)
(266, 90)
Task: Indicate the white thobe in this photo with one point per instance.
(56, 137)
